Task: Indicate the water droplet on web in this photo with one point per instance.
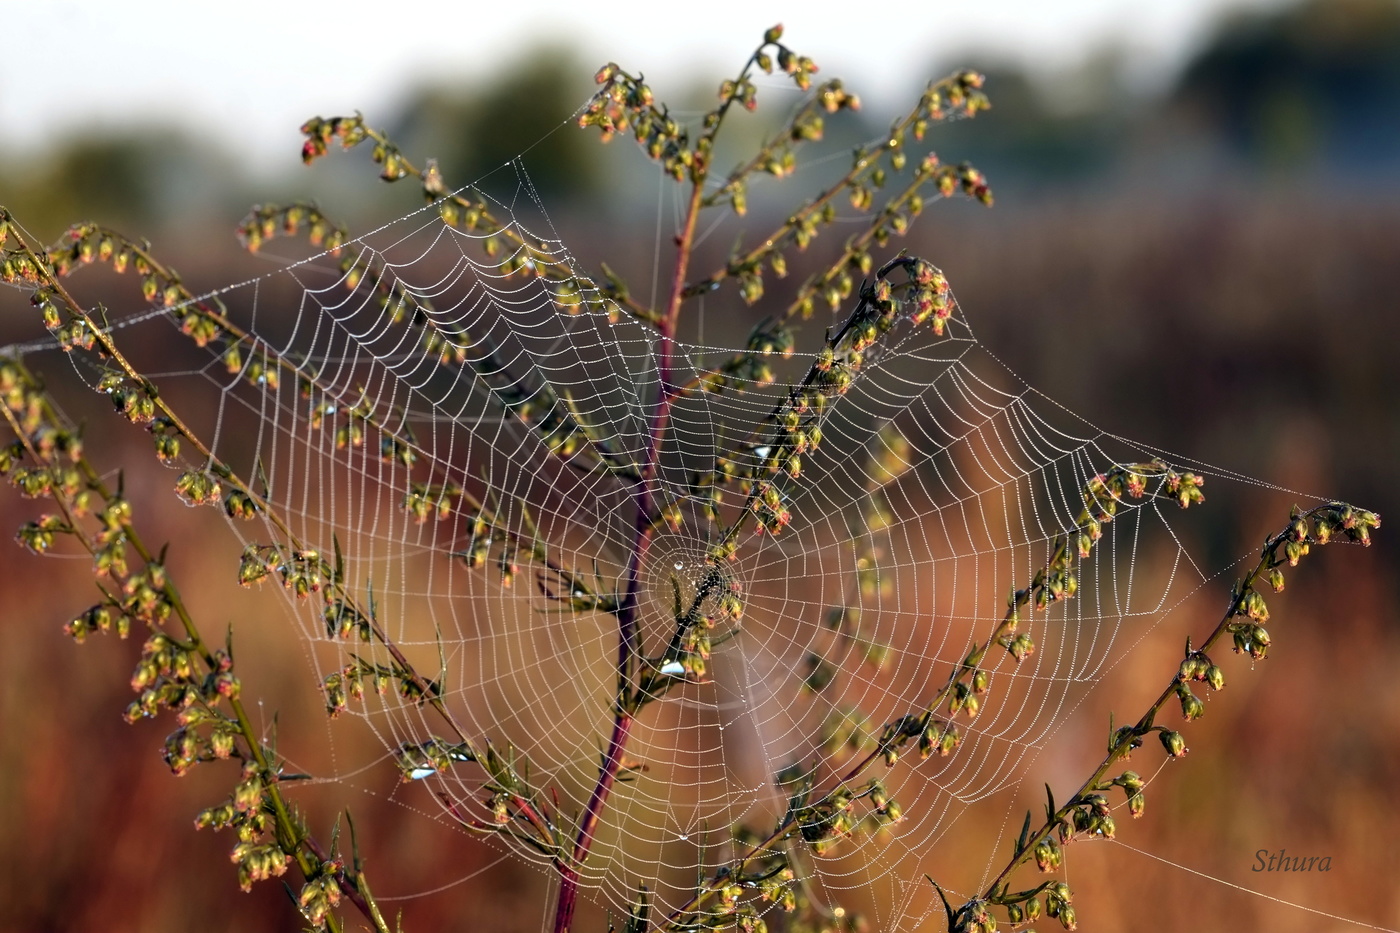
(680, 566)
(682, 837)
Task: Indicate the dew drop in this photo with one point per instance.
(683, 837)
(679, 565)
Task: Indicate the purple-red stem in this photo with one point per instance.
(628, 649)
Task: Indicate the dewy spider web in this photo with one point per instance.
(443, 388)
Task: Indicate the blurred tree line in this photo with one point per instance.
(1310, 89)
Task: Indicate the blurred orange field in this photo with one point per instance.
(1253, 332)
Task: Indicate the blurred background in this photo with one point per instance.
(1198, 211)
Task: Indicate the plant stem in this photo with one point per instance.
(1123, 745)
(291, 836)
(628, 639)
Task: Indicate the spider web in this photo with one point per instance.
(381, 419)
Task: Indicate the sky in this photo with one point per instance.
(251, 72)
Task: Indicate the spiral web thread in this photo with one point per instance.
(942, 483)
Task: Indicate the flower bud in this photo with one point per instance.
(1190, 667)
(1173, 743)
(1044, 856)
(1191, 705)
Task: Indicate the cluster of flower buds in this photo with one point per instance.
(302, 571)
(826, 822)
(199, 487)
(1048, 854)
(1132, 785)
(624, 102)
(144, 596)
(20, 393)
(696, 646)
(417, 760)
(18, 267)
(344, 621)
(1057, 905)
(305, 572)
(266, 221)
(777, 887)
(167, 676)
(321, 894)
(1337, 518)
(166, 438)
(71, 331)
(33, 482)
(1019, 644)
(136, 400)
(38, 536)
(1103, 493)
(104, 617)
(939, 736)
(960, 95)
(1251, 639)
(886, 809)
(186, 747)
(349, 684)
(258, 861)
(240, 504)
(974, 917)
(348, 131)
(1028, 911)
(484, 534)
(200, 321)
(428, 500)
(930, 297)
(770, 509)
(1197, 666)
(554, 421)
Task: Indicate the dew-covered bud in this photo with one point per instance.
(215, 817)
(1045, 855)
(1190, 668)
(1173, 743)
(248, 793)
(1191, 705)
(1022, 646)
(221, 743)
